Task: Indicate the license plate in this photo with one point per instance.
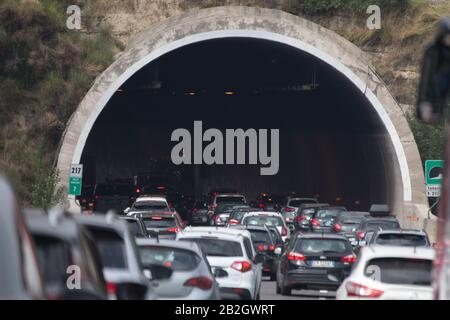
(322, 264)
(328, 223)
(362, 242)
(354, 243)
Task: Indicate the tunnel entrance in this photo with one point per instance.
(332, 142)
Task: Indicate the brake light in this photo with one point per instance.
(294, 256)
(242, 266)
(161, 188)
(337, 227)
(203, 283)
(351, 258)
(271, 247)
(138, 190)
(233, 221)
(301, 217)
(261, 205)
(289, 209)
(262, 247)
(283, 232)
(217, 218)
(357, 290)
(156, 218)
(176, 229)
(360, 234)
(111, 288)
(314, 222)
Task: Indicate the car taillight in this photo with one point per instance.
(271, 247)
(203, 283)
(242, 266)
(262, 247)
(217, 218)
(360, 234)
(283, 232)
(111, 288)
(176, 229)
(289, 209)
(261, 205)
(314, 222)
(351, 258)
(294, 256)
(337, 227)
(138, 190)
(233, 221)
(358, 290)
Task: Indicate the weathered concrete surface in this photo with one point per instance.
(411, 212)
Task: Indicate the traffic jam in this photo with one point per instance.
(155, 243)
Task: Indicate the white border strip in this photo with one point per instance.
(158, 52)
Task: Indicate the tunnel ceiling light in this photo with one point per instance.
(229, 93)
(190, 93)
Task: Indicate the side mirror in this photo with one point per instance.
(278, 251)
(131, 291)
(220, 273)
(157, 272)
(259, 258)
(126, 210)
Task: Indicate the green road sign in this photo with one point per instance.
(75, 179)
(434, 171)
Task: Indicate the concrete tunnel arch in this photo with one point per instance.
(409, 203)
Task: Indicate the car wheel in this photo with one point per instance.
(285, 291)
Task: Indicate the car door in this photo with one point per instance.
(256, 268)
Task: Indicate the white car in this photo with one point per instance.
(233, 259)
(259, 218)
(390, 273)
(148, 203)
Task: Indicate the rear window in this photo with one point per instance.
(400, 271)
(413, 240)
(313, 246)
(150, 205)
(135, 228)
(263, 220)
(348, 219)
(111, 248)
(260, 236)
(298, 203)
(383, 224)
(327, 214)
(176, 259)
(217, 247)
(158, 222)
(54, 258)
(230, 199)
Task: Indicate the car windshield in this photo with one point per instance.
(383, 224)
(176, 259)
(263, 220)
(400, 271)
(135, 228)
(150, 205)
(260, 236)
(313, 246)
(397, 239)
(298, 202)
(230, 199)
(111, 247)
(217, 247)
(158, 222)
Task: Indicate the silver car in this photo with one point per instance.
(191, 277)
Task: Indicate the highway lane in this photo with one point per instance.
(268, 293)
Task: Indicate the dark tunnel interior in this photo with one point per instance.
(332, 143)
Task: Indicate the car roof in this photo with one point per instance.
(318, 235)
(380, 251)
(262, 213)
(192, 246)
(223, 231)
(151, 198)
(402, 231)
(110, 221)
(38, 223)
(231, 194)
(386, 218)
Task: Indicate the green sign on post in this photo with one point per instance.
(434, 171)
(75, 179)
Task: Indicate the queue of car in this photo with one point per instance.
(149, 252)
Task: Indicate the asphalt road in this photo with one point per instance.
(268, 293)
